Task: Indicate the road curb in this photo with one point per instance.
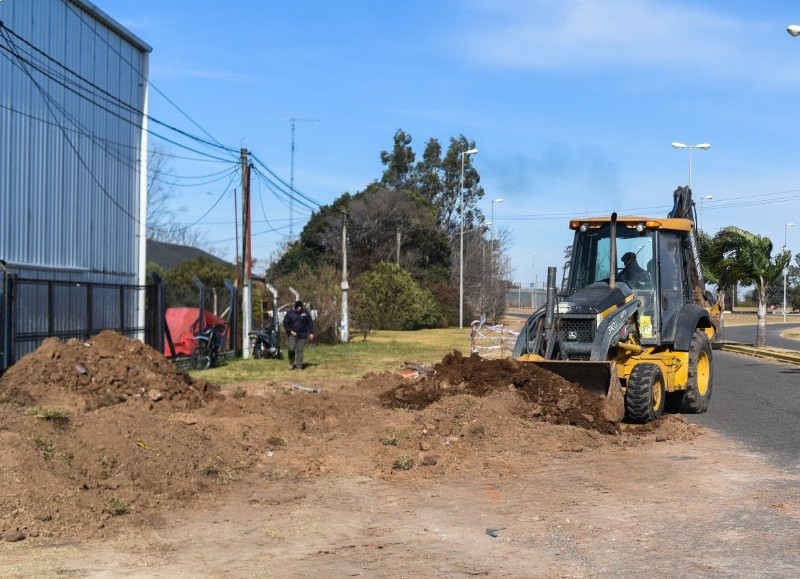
(787, 356)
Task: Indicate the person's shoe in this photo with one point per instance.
(291, 366)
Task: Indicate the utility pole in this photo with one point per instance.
(345, 337)
(398, 246)
(247, 260)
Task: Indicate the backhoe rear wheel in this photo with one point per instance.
(698, 387)
(645, 393)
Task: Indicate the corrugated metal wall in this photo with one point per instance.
(72, 86)
(72, 103)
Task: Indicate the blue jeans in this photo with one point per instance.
(296, 346)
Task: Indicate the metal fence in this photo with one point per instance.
(36, 309)
(32, 310)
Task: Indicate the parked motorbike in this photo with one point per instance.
(266, 342)
(204, 354)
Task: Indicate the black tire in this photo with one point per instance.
(260, 351)
(195, 360)
(200, 359)
(645, 393)
(698, 387)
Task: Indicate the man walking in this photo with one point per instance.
(299, 328)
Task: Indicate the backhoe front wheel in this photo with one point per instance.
(698, 386)
(645, 393)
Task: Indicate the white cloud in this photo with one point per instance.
(607, 35)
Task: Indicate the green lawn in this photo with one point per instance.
(382, 351)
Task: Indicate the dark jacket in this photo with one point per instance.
(298, 322)
(634, 274)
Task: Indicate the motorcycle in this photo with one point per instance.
(204, 354)
(266, 342)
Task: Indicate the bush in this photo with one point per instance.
(387, 298)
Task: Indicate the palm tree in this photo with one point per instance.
(738, 256)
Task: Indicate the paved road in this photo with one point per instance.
(747, 334)
(756, 402)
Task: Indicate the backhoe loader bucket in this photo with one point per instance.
(597, 378)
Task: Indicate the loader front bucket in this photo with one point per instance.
(597, 378)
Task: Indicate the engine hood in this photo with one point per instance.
(595, 299)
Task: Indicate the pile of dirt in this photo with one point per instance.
(106, 370)
(542, 395)
(106, 435)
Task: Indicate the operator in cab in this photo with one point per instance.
(633, 274)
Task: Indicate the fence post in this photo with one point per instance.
(202, 306)
(7, 338)
(232, 317)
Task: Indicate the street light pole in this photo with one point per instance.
(461, 252)
(704, 146)
(785, 231)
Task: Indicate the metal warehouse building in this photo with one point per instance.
(73, 105)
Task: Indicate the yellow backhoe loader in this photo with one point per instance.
(633, 322)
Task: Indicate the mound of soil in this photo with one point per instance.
(107, 435)
(542, 395)
(106, 370)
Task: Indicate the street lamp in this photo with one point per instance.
(461, 252)
(785, 231)
(704, 146)
(703, 200)
(793, 30)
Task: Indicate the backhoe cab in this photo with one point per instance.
(633, 321)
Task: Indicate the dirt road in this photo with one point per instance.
(473, 471)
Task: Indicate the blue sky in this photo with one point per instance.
(573, 105)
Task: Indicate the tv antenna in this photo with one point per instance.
(293, 121)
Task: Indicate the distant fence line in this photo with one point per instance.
(525, 297)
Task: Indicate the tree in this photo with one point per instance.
(793, 284)
(746, 258)
(161, 218)
(412, 217)
(430, 173)
(448, 199)
(399, 172)
(383, 225)
(211, 273)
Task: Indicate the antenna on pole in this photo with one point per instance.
(293, 121)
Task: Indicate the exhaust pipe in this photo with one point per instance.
(550, 313)
(612, 270)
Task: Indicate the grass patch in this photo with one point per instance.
(53, 415)
(403, 462)
(115, 507)
(394, 438)
(47, 448)
(382, 352)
